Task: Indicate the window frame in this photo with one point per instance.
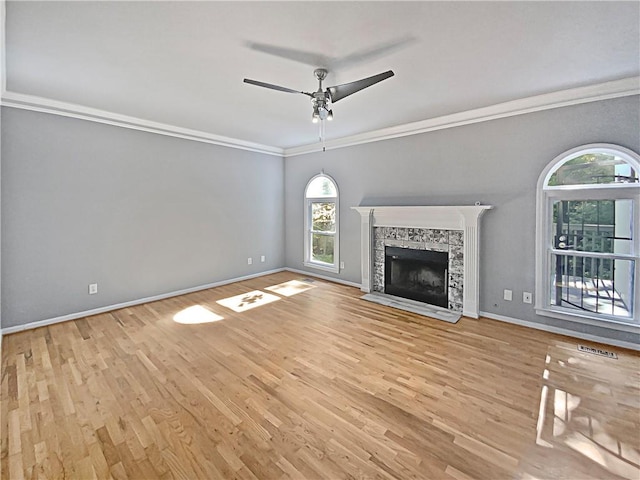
(308, 227)
(545, 196)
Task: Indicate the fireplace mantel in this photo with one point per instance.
(462, 217)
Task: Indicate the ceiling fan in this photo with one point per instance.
(322, 100)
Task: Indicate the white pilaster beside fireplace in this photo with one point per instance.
(465, 218)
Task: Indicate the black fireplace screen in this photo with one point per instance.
(417, 275)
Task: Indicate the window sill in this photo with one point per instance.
(603, 322)
(323, 266)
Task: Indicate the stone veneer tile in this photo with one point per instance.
(456, 237)
(457, 267)
(455, 306)
(378, 276)
(455, 281)
(440, 236)
(456, 252)
(402, 233)
(422, 239)
(417, 234)
(390, 233)
(456, 259)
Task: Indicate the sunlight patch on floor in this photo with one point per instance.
(290, 288)
(571, 420)
(195, 315)
(247, 301)
(611, 460)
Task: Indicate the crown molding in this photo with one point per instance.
(574, 96)
(563, 98)
(45, 105)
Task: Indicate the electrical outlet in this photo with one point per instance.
(526, 297)
(341, 265)
(508, 295)
(249, 261)
(263, 258)
(93, 288)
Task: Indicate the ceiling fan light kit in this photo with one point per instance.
(321, 100)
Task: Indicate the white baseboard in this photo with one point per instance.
(323, 277)
(108, 308)
(562, 331)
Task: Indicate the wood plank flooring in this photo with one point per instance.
(308, 381)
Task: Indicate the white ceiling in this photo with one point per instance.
(182, 63)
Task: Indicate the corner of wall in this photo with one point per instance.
(3, 88)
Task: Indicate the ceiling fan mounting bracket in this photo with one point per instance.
(321, 73)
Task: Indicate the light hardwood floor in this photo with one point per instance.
(315, 384)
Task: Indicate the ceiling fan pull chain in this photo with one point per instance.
(322, 135)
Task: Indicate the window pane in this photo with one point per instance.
(322, 248)
(321, 187)
(593, 168)
(323, 217)
(598, 285)
(604, 226)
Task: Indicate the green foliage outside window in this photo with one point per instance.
(322, 248)
(592, 168)
(323, 215)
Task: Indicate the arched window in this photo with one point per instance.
(588, 237)
(321, 243)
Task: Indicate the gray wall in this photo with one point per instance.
(496, 162)
(138, 213)
(143, 214)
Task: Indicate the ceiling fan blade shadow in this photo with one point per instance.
(274, 87)
(308, 58)
(333, 63)
(372, 53)
(339, 92)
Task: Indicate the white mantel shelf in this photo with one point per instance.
(455, 217)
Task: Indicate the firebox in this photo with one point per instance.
(417, 275)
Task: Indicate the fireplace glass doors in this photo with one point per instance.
(420, 275)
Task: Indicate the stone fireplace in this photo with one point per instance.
(422, 255)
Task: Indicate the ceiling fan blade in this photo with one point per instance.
(274, 87)
(340, 91)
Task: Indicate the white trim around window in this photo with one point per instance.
(310, 233)
(545, 197)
